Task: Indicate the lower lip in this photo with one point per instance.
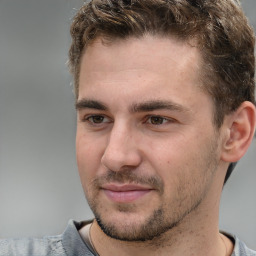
(125, 196)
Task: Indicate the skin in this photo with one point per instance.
(150, 159)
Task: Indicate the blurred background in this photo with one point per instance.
(39, 184)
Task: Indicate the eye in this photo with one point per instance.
(157, 120)
(97, 119)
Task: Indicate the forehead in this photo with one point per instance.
(150, 64)
(148, 52)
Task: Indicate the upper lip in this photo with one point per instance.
(125, 187)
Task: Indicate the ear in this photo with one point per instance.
(240, 128)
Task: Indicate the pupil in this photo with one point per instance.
(97, 119)
(157, 120)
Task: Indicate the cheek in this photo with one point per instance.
(173, 160)
(88, 155)
(166, 155)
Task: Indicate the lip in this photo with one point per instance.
(125, 193)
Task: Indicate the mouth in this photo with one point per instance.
(125, 193)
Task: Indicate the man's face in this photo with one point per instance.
(147, 149)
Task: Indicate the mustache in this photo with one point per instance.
(129, 176)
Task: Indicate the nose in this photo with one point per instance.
(121, 149)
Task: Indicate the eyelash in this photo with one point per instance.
(162, 120)
(92, 122)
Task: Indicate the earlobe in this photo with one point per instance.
(241, 127)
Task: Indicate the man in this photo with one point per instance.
(165, 106)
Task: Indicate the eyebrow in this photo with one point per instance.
(146, 106)
(91, 104)
(158, 105)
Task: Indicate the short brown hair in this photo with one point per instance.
(219, 27)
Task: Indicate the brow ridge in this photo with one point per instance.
(157, 105)
(91, 104)
(146, 106)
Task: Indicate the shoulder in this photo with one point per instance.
(67, 244)
(32, 246)
(241, 249)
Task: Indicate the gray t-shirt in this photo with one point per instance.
(70, 243)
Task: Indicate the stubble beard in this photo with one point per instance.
(155, 225)
(162, 219)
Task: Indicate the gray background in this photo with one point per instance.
(39, 185)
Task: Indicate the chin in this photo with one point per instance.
(134, 228)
